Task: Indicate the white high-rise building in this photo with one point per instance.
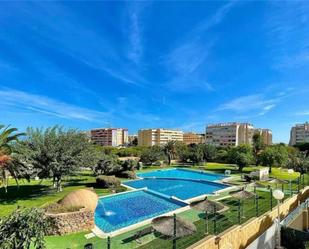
(299, 134)
(234, 134)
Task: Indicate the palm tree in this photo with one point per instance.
(170, 150)
(7, 137)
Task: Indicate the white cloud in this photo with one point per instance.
(250, 102)
(135, 49)
(78, 39)
(303, 113)
(186, 61)
(48, 106)
(288, 30)
(269, 107)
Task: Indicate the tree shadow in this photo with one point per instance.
(25, 192)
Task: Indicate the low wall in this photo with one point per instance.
(240, 236)
(301, 221)
(64, 223)
(267, 240)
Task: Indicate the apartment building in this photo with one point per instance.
(266, 136)
(193, 138)
(109, 136)
(234, 134)
(149, 137)
(299, 134)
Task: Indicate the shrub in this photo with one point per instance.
(129, 165)
(22, 228)
(56, 208)
(128, 174)
(120, 189)
(107, 181)
(157, 163)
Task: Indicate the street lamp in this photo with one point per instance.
(278, 195)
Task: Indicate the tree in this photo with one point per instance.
(22, 228)
(151, 155)
(107, 165)
(134, 142)
(192, 153)
(274, 155)
(7, 138)
(55, 152)
(17, 169)
(170, 150)
(222, 155)
(299, 162)
(241, 155)
(129, 165)
(303, 147)
(196, 154)
(257, 146)
(209, 152)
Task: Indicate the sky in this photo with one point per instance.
(154, 64)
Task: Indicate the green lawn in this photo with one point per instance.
(37, 194)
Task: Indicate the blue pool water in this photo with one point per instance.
(181, 188)
(183, 174)
(118, 211)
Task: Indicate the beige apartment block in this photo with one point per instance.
(109, 136)
(193, 138)
(299, 134)
(234, 134)
(150, 137)
(266, 135)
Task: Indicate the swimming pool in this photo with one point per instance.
(118, 211)
(181, 188)
(183, 174)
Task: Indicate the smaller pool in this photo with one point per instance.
(122, 210)
(182, 174)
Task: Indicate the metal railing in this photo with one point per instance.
(238, 212)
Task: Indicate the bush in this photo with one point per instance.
(56, 208)
(120, 189)
(107, 181)
(22, 228)
(128, 174)
(129, 165)
(157, 163)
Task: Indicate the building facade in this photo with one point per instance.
(234, 134)
(266, 136)
(150, 137)
(109, 136)
(193, 138)
(299, 134)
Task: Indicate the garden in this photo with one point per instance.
(40, 167)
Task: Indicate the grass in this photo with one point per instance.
(41, 193)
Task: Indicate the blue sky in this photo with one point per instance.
(154, 64)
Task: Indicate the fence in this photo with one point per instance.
(242, 220)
